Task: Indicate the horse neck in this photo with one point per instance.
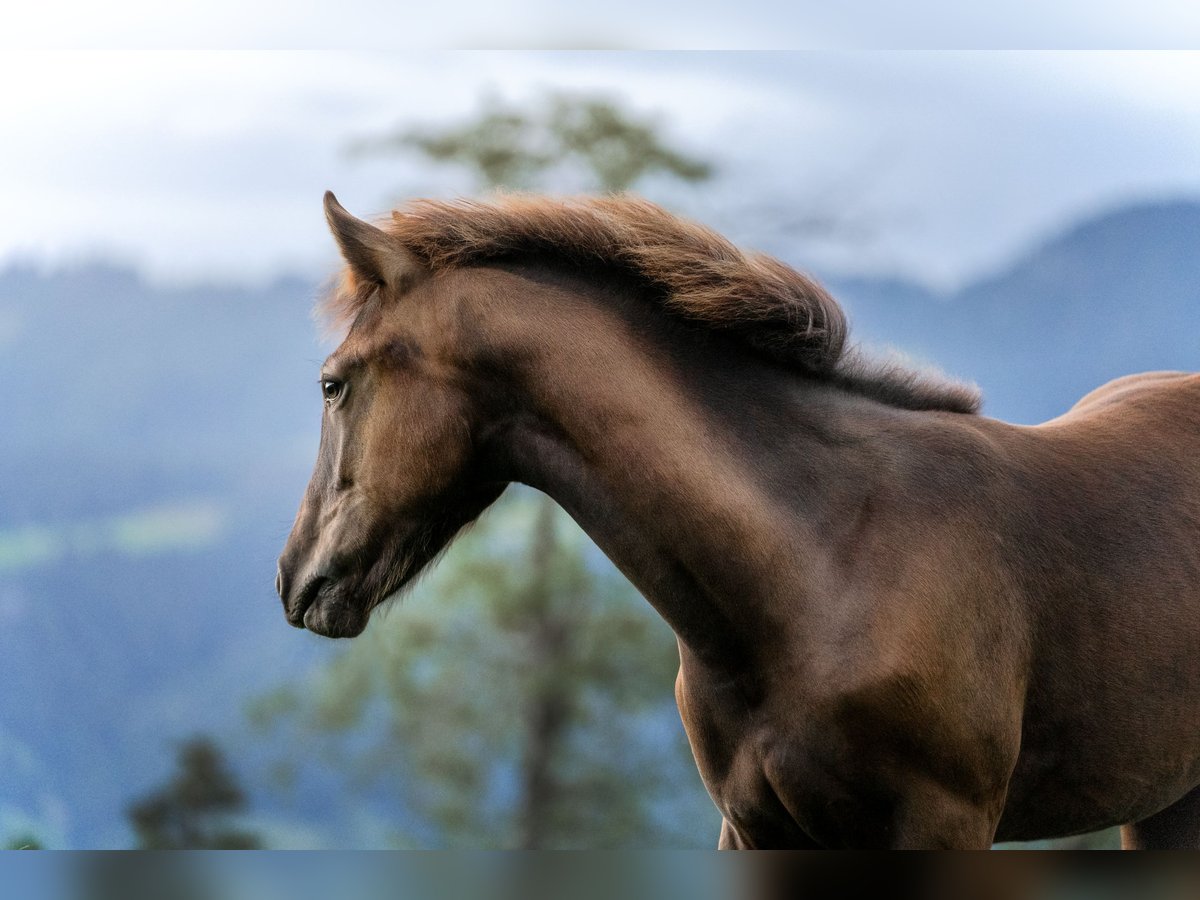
(705, 474)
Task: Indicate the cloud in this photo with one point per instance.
(210, 164)
(673, 24)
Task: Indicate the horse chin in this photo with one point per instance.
(336, 614)
(342, 608)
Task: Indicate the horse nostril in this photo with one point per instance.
(279, 582)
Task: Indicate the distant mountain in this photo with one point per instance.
(155, 443)
(1116, 294)
(154, 447)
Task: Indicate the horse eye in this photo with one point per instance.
(331, 389)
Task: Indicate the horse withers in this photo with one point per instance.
(900, 623)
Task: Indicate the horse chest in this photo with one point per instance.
(731, 745)
(833, 770)
(747, 771)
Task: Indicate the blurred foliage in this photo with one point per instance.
(192, 811)
(522, 148)
(23, 842)
(522, 698)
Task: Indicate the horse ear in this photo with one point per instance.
(372, 254)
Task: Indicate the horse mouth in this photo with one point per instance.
(339, 602)
(326, 608)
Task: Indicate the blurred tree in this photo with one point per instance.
(23, 842)
(522, 698)
(141, 876)
(533, 705)
(192, 810)
(556, 137)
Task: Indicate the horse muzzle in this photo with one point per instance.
(322, 604)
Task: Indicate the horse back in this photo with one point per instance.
(1164, 387)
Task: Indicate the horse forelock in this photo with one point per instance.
(342, 302)
(698, 274)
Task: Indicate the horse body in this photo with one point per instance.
(1112, 493)
(897, 626)
(1022, 639)
(1002, 592)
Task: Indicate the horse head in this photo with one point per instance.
(397, 474)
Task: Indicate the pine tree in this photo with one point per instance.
(192, 810)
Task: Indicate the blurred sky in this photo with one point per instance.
(203, 163)
(666, 24)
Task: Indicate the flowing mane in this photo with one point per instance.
(697, 274)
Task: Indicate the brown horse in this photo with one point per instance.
(900, 623)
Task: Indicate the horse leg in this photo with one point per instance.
(1175, 828)
(729, 839)
(793, 840)
(933, 818)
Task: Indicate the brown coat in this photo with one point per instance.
(900, 623)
